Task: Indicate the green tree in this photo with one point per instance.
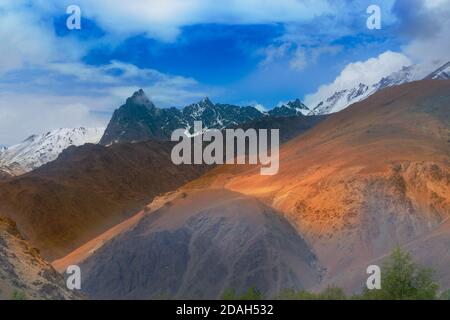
(18, 295)
(251, 294)
(229, 294)
(445, 295)
(402, 279)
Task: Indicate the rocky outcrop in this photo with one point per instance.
(23, 272)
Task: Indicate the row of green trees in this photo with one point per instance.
(402, 279)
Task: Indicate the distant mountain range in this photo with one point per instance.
(139, 119)
(102, 185)
(40, 149)
(346, 97)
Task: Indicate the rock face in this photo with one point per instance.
(23, 273)
(292, 108)
(38, 150)
(139, 119)
(88, 189)
(199, 245)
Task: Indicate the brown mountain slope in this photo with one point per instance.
(431, 250)
(87, 190)
(198, 245)
(23, 273)
(366, 179)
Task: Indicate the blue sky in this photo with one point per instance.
(241, 52)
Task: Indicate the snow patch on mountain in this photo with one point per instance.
(443, 73)
(290, 109)
(346, 97)
(38, 150)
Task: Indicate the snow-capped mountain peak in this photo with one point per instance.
(37, 150)
(346, 97)
(443, 73)
(292, 108)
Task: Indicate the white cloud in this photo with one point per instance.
(163, 18)
(429, 51)
(368, 72)
(431, 4)
(164, 90)
(28, 41)
(162, 94)
(434, 48)
(296, 56)
(273, 53)
(73, 94)
(23, 46)
(299, 60)
(24, 115)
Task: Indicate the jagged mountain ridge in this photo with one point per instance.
(346, 97)
(289, 109)
(139, 119)
(443, 73)
(38, 150)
